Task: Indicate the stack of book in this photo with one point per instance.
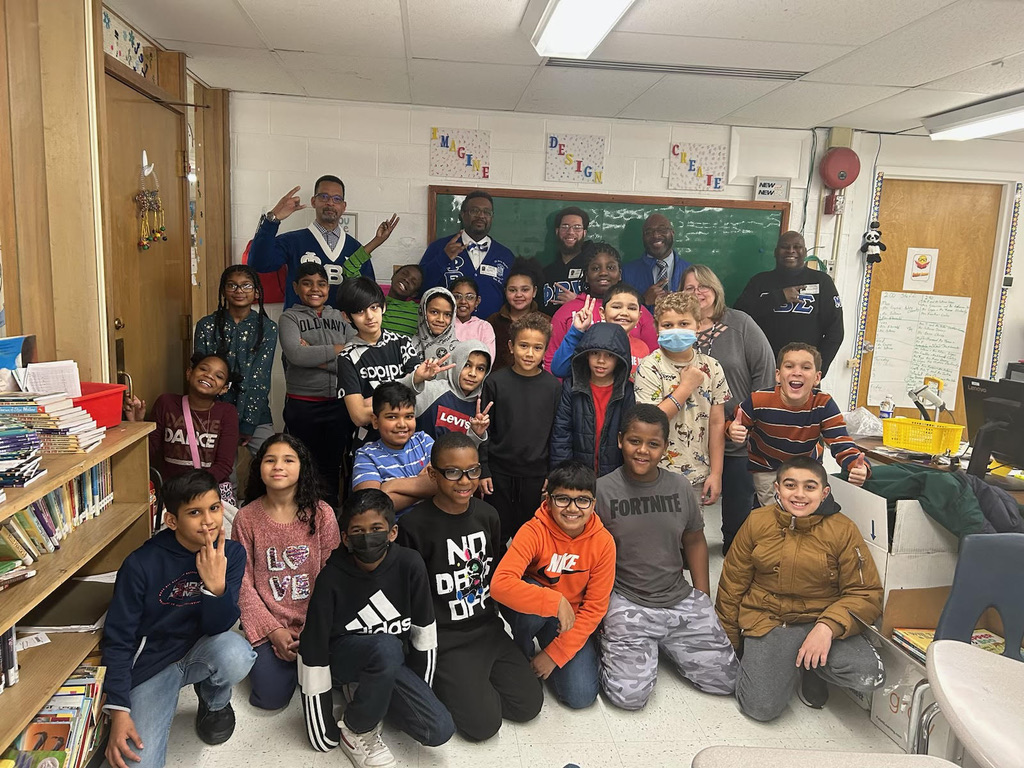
(20, 454)
(62, 426)
(69, 728)
(916, 641)
(31, 533)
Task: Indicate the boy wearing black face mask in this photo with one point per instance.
(371, 620)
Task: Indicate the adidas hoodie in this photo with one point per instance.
(442, 406)
(159, 611)
(580, 569)
(393, 599)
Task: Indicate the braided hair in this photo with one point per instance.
(220, 317)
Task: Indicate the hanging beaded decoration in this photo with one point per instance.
(152, 227)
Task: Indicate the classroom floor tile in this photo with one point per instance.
(677, 722)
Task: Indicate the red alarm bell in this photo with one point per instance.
(839, 168)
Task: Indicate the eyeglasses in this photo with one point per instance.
(562, 502)
(658, 231)
(454, 474)
(697, 288)
(464, 296)
(323, 197)
(571, 227)
(239, 287)
(480, 212)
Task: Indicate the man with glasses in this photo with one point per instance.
(471, 253)
(660, 269)
(323, 242)
(563, 277)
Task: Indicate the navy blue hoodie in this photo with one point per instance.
(160, 610)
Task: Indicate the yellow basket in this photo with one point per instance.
(922, 436)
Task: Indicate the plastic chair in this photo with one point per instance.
(989, 571)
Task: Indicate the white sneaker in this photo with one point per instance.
(366, 750)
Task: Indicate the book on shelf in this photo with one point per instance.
(9, 658)
(18, 575)
(916, 641)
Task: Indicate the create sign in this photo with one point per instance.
(460, 153)
(575, 158)
(699, 167)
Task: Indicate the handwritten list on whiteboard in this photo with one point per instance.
(918, 335)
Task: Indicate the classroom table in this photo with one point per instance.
(981, 695)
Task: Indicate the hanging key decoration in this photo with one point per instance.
(152, 226)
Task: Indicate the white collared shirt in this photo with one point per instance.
(475, 254)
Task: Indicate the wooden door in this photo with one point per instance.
(958, 219)
(150, 293)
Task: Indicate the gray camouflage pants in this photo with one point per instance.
(689, 633)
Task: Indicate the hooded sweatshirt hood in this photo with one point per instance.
(428, 344)
(607, 337)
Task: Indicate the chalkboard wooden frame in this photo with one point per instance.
(434, 190)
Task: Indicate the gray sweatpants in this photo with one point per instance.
(688, 632)
(769, 675)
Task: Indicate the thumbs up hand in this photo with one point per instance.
(859, 470)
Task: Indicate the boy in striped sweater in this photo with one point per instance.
(371, 621)
(791, 420)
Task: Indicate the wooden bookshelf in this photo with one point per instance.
(95, 546)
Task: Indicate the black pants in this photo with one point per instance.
(483, 677)
(516, 499)
(326, 429)
(737, 497)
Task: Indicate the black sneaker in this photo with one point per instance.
(214, 727)
(813, 690)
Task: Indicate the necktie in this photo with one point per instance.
(662, 271)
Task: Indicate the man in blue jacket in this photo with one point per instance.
(471, 253)
(324, 241)
(169, 625)
(660, 269)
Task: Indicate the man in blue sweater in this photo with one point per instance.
(169, 625)
(324, 241)
(471, 253)
(660, 269)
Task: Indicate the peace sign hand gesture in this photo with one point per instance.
(429, 368)
(583, 318)
(387, 227)
(481, 421)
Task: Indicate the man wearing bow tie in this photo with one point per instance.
(471, 253)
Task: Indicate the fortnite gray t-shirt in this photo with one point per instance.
(648, 521)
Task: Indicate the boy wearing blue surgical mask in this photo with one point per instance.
(690, 388)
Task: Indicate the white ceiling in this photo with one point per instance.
(877, 65)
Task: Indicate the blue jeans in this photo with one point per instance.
(576, 684)
(737, 497)
(215, 662)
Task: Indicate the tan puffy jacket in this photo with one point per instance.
(791, 570)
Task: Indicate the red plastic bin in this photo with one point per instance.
(102, 401)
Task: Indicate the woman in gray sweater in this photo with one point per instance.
(743, 351)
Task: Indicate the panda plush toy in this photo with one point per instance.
(873, 245)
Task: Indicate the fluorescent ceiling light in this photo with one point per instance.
(989, 118)
(574, 28)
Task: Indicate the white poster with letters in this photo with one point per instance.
(919, 273)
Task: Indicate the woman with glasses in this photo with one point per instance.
(246, 338)
(733, 339)
(471, 252)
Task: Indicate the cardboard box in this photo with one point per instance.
(922, 552)
(890, 704)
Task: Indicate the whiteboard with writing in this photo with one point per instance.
(918, 335)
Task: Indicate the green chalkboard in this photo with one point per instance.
(736, 238)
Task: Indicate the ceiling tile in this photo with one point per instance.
(993, 78)
(904, 110)
(470, 30)
(240, 69)
(584, 92)
(349, 77)
(806, 105)
(219, 22)
(320, 26)
(852, 22)
(697, 98)
(708, 52)
(458, 84)
(955, 38)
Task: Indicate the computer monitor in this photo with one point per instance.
(995, 422)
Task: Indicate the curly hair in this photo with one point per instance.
(307, 491)
(531, 321)
(680, 302)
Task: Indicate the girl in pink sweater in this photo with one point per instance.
(288, 533)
